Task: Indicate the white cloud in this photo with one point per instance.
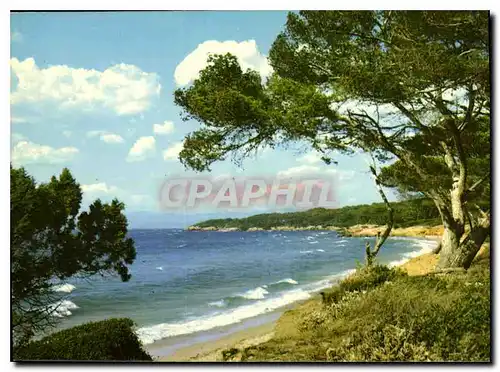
(314, 171)
(142, 148)
(16, 137)
(312, 157)
(139, 198)
(125, 89)
(111, 138)
(173, 151)
(16, 37)
(300, 171)
(95, 133)
(99, 188)
(166, 128)
(18, 120)
(246, 52)
(105, 136)
(25, 152)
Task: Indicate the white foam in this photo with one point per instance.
(314, 242)
(306, 252)
(320, 250)
(287, 280)
(255, 294)
(152, 333)
(220, 303)
(62, 308)
(159, 268)
(342, 241)
(426, 246)
(68, 288)
(310, 238)
(328, 281)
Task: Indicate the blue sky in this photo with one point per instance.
(94, 92)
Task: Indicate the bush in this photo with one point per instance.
(365, 278)
(111, 339)
(406, 318)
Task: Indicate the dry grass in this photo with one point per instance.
(412, 317)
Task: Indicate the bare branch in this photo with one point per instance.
(370, 254)
(479, 182)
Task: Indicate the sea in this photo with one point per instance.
(187, 283)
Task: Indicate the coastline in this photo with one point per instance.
(418, 231)
(210, 350)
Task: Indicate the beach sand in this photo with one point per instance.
(211, 351)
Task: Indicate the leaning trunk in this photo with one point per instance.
(450, 242)
(464, 253)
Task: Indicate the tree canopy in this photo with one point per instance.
(410, 87)
(51, 239)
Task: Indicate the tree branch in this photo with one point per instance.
(479, 182)
(370, 254)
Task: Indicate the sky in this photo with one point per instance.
(93, 92)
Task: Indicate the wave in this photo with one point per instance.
(181, 246)
(220, 303)
(254, 294)
(310, 238)
(314, 242)
(426, 246)
(320, 250)
(159, 268)
(328, 281)
(342, 241)
(150, 334)
(306, 252)
(287, 280)
(62, 308)
(67, 288)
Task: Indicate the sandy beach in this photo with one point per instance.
(211, 351)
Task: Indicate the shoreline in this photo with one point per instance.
(210, 344)
(418, 231)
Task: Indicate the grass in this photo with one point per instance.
(382, 314)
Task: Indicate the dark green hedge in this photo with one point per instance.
(111, 339)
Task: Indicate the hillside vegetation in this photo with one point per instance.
(381, 314)
(406, 213)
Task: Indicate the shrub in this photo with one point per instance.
(364, 278)
(406, 318)
(111, 339)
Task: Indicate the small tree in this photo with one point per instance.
(52, 240)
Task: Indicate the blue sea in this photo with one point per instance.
(184, 283)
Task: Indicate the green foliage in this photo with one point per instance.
(365, 278)
(51, 239)
(407, 213)
(407, 86)
(425, 318)
(107, 340)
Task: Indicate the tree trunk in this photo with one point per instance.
(449, 244)
(438, 248)
(462, 254)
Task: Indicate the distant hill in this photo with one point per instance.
(407, 213)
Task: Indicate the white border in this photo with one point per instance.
(184, 5)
